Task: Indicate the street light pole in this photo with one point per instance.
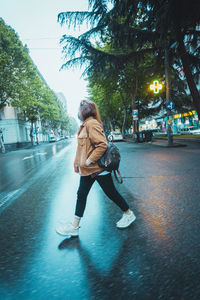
(168, 93)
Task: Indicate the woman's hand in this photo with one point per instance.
(88, 162)
(76, 169)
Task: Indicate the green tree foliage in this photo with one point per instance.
(73, 126)
(22, 86)
(136, 29)
(120, 91)
(109, 102)
(14, 63)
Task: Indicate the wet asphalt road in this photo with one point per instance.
(156, 258)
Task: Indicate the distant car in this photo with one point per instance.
(115, 136)
(195, 131)
(52, 139)
(189, 130)
(158, 132)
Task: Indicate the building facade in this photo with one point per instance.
(179, 122)
(15, 132)
(63, 100)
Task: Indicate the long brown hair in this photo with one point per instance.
(89, 109)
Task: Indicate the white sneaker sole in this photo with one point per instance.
(67, 234)
(123, 227)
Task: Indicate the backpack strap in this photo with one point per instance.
(87, 131)
(121, 179)
(88, 136)
(96, 174)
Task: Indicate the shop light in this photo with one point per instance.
(156, 87)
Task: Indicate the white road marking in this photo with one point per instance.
(40, 153)
(61, 152)
(27, 157)
(8, 197)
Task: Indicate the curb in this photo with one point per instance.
(175, 145)
(157, 143)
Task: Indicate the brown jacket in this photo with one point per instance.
(90, 147)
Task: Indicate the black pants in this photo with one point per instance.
(106, 183)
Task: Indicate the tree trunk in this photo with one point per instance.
(2, 147)
(124, 123)
(2, 103)
(125, 114)
(36, 134)
(31, 133)
(189, 77)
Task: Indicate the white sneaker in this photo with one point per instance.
(68, 229)
(126, 220)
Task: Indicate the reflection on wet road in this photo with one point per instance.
(156, 258)
(19, 170)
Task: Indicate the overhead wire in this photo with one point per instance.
(43, 38)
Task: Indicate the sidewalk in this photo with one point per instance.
(163, 141)
(177, 141)
(160, 143)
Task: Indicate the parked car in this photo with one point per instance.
(61, 137)
(52, 139)
(189, 130)
(157, 132)
(195, 131)
(115, 136)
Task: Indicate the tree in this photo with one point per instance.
(28, 100)
(21, 85)
(73, 126)
(128, 89)
(14, 64)
(135, 29)
(177, 26)
(38, 102)
(2, 147)
(109, 102)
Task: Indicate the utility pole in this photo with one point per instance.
(168, 93)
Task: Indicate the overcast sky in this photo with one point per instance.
(35, 21)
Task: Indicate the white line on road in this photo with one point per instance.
(27, 157)
(6, 200)
(8, 197)
(41, 153)
(61, 152)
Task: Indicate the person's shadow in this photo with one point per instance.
(109, 284)
(69, 243)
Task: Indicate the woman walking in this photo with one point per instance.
(92, 144)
